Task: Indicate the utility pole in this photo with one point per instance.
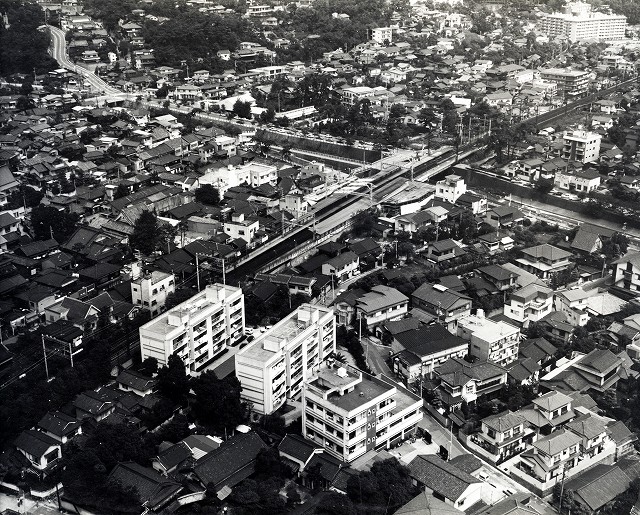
(46, 364)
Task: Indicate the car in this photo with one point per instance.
(248, 331)
(483, 476)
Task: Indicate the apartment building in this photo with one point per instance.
(497, 342)
(581, 145)
(381, 35)
(544, 260)
(352, 95)
(348, 412)
(529, 304)
(197, 330)
(579, 22)
(450, 188)
(274, 366)
(569, 83)
(151, 289)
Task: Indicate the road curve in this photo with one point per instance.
(59, 53)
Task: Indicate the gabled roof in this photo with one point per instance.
(58, 423)
(598, 486)
(35, 443)
(152, 488)
(600, 360)
(297, 447)
(458, 372)
(546, 251)
(135, 380)
(440, 476)
(439, 296)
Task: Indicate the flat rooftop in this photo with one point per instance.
(411, 192)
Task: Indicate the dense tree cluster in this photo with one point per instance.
(387, 484)
(23, 48)
(279, 305)
(48, 222)
(217, 402)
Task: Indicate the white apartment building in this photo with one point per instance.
(151, 289)
(238, 227)
(197, 330)
(274, 366)
(529, 304)
(351, 95)
(451, 188)
(349, 413)
(382, 35)
(579, 22)
(253, 174)
(497, 342)
(580, 145)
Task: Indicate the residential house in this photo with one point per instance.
(445, 482)
(380, 304)
(444, 250)
(544, 260)
(343, 266)
(529, 304)
(461, 381)
(447, 306)
(60, 426)
(501, 437)
(581, 181)
(39, 448)
(494, 341)
(503, 216)
(231, 463)
(626, 272)
(417, 352)
(132, 381)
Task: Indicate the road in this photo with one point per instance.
(59, 53)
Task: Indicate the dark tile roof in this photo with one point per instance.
(151, 487)
(598, 486)
(440, 476)
(466, 462)
(297, 447)
(135, 380)
(58, 423)
(222, 464)
(427, 340)
(35, 443)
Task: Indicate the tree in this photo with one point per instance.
(149, 366)
(364, 222)
(615, 246)
(544, 186)
(121, 191)
(207, 194)
(388, 483)
(146, 233)
(178, 297)
(242, 109)
(336, 504)
(218, 403)
(47, 221)
(173, 381)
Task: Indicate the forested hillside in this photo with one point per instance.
(22, 47)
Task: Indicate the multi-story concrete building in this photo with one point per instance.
(581, 145)
(497, 342)
(239, 227)
(381, 35)
(529, 304)
(274, 366)
(450, 188)
(198, 330)
(349, 412)
(150, 291)
(579, 22)
(569, 83)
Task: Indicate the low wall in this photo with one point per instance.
(475, 178)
